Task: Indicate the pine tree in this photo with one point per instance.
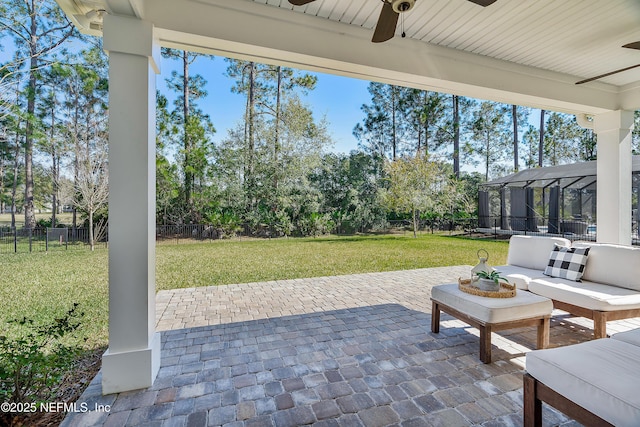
(384, 126)
(490, 129)
(191, 127)
(38, 28)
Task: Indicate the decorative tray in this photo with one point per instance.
(506, 290)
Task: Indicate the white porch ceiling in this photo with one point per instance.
(582, 38)
(518, 51)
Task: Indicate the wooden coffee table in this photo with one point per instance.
(492, 314)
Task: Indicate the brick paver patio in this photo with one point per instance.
(350, 350)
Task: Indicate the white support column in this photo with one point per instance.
(133, 357)
(614, 176)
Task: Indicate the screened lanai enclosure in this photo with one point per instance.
(554, 200)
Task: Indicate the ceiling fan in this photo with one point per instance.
(634, 45)
(391, 10)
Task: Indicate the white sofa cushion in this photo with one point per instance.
(590, 295)
(631, 337)
(519, 276)
(492, 310)
(616, 265)
(532, 251)
(601, 376)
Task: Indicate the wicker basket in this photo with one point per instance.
(506, 290)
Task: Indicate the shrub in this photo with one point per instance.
(34, 358)
(48, 223)
(282, 223)
(315, 224)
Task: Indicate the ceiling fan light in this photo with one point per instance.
(400, 6)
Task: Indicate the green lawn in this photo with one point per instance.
(64, 218)
(41, 285)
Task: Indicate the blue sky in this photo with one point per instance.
(337, 98)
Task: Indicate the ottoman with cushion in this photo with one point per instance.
(492, 314)
(595, 383)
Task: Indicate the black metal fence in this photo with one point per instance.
(572, 228)
(15, 240)
(440, 225)
(50, 239)
(202, 232)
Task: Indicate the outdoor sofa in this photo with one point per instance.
(594, 382)
(609, 288)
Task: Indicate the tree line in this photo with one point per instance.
(421, 154)
(53, 110)
(275, 170)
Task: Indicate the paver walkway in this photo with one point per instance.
(350, 350)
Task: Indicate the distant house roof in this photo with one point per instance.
(576, 175)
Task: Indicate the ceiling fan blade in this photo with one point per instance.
(607, 74)
(634, 45)
(483, 3)
(386, 26)
(300, 2)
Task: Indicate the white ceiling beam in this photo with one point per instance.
(630, 97)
